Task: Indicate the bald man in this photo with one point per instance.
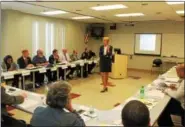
(40, 60)
(176, 104)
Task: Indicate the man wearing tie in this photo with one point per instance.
(24, 61)
(105, 62)
(65, 58)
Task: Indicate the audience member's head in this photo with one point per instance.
(75, 52)
(40, 53)
(8, 59)
(105, 41)
(64, 51)
(180, 70)
(86, 49)
(134, 114)
(58, 95)
(55, 52)
(25, 53)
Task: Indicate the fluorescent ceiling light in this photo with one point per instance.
(130, 15)
(180, 12)
(108, 7)
(172, 2)
(53, 12)
(82, 17)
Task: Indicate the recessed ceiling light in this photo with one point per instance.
(180, 12)
(172, 2)
(109, 7)
(53, 12)
(130, 15)
(83, 17)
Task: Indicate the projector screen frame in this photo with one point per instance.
(143, 53)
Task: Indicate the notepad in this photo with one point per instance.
(28, 103)
(155, 94)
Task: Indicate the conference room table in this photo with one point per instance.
(154, 96)
(64, 66)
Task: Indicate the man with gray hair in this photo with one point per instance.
(55, 114)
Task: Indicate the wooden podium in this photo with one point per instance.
(119, 67)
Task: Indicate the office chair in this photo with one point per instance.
(157, 63)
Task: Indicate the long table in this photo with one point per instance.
(27, 72)
(113, 116)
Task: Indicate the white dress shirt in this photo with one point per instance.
(177, 94)
(63, 58)
(105, 50)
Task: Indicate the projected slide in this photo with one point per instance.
(148, 44)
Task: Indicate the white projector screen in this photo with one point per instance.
(148, 44)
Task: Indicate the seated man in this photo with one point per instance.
(91, 55)
(65, 58)
(74, 56)
(40, 60)
(176, 104)
(24, 61)
(9, 65)
(55, 114)
(85, 54)
(135, 114)
(54, 59)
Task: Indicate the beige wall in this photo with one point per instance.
(17, 33)
(123, 37)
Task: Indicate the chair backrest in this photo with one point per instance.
(8, 121)
(157, 62)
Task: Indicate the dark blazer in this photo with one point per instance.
(6, 99)
(84, 55)
(105, 60)
(108, 55)
(52, 117)
(52, 60)
(22, 63)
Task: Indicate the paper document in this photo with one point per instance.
(172, 80)
(109, 116)
(28, 103)
(155, 94)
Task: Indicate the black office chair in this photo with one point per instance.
(157, 63)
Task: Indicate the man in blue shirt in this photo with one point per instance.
(40, 60)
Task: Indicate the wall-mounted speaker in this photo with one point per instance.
(113, 26)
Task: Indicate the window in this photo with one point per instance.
(148, 44)
(35, 37)
(49, 38)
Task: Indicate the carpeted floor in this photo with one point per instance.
(87, 91)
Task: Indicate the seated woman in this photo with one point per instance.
(9, 65)
(55, 114)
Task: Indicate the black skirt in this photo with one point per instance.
(105, 64)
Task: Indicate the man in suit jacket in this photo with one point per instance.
(85, 54)
(24, 61)
(54, 58)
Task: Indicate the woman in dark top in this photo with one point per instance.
(9, 65)
(105, 62)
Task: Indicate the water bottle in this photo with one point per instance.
(142, 92)
(46, 85)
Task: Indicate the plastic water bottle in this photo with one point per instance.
(46, 85)
(142, 92)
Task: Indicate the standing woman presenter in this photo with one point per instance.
(105, 62)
